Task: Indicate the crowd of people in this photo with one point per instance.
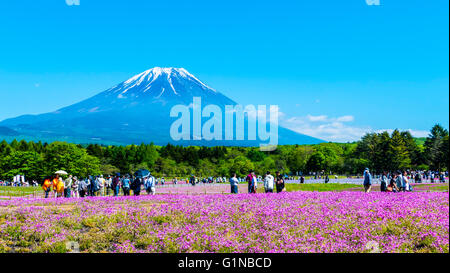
(114, 185)
(402, 181)
(269, 182)
(98, 185)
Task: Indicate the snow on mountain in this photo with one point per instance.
(162, 83)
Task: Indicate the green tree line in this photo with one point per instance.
(378, 151)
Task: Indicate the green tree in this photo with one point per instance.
(435, 151)
(398, 152)
(71, 158)
(241, 166)
(29, 164)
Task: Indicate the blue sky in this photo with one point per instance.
(337, 69)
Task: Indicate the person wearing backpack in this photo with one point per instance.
(136, 186)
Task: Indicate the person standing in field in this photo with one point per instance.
(58, 186)
(126, 186)
(136, 186)
(91, 186)
(150, 185)
(383, 182)
(67, 186)
(102, 185)
(399, 181)
(47, 186)
(392, 187)
(268, 183)
(75, 186)
(234, 183)
(192, 180)
(116, 184)
(252, 182)
(83, 187)
(405, 182)
(367, 181)
(279, 182)
(108, 185)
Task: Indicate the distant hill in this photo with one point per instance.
(5, 131)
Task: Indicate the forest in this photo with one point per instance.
(377, 151)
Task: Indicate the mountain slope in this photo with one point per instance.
(134, 111)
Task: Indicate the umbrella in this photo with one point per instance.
(142, 173)
(61, 172)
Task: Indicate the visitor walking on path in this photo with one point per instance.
(406, 185)
(84, 186)
(234, 183)
(252, 182)
(102, 185)
(192, 180)
(75, 186)
(108, 185)
(47, 186)
(367, 181)
(399, 181)
(279, 182)
(58, 186)
(150, 185)
(136, 186)
(393, 184)
(67, 186)
(268, 183)
(126, 186)
(116, 184)
(383, 182)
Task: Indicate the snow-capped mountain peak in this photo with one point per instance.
(161, 78)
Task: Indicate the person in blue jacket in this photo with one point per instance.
(367, 180)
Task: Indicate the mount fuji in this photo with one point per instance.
(134, 111)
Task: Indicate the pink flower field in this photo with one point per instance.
(286, 222)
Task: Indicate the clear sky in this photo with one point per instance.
(337, 69)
